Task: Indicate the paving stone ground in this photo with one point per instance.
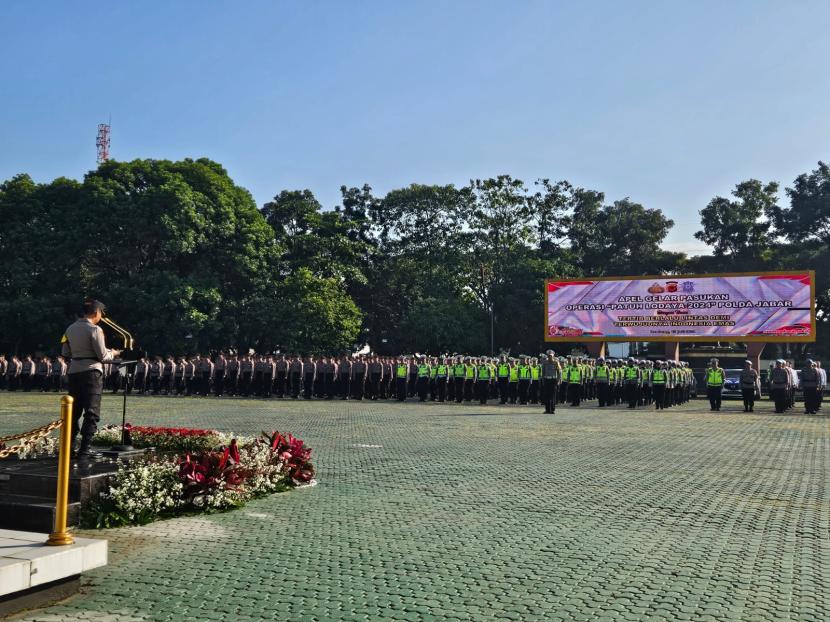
(447, 512)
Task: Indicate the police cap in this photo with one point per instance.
(91, 306)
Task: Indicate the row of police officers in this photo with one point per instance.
(548, 379)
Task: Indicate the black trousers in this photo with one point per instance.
(423, 385)
(343, 385)
(575, 393)
(441, 388)
(659, 391)
(603, 394)
(482, 389)
(714, 395)
(219, 382)
(469, 389)
(513, 391)
(400, 384)
(358, 380)
(779, 396)
(231, 382)
(459, 389)
(279, 384)
(748, 393)
(205, 383)
(550, 387)
(86, 388)
(524, 388)
(501, 383)
(373, 386)
(308, 386)
(810, 399)
(632, 395)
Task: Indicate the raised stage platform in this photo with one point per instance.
(33, 574)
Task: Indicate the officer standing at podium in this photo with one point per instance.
(83, 342)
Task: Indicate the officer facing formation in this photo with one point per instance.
(83, 343)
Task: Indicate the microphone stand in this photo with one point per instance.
(129, 371)
(126, 441)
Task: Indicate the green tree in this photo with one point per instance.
(620, 239)
(550, 203)
(322, 241)
(40, 241)
(176, 249)
(436, 326)
(315, 315)
(738, 230)
(805, 227)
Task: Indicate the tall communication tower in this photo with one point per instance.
(103, 142)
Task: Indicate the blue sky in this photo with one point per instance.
(669, 102)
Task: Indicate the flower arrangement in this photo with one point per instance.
(217, 478)
(163, 438)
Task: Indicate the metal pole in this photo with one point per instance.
(59, 535)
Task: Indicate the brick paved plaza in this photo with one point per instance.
(433, 512)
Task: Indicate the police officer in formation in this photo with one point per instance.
(547, 380)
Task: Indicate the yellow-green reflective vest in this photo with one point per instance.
(602, 372)
(441, 371)
(458, 370)
(504, 370)
(484, 372)
(524, 372)
(574, 374)
(514, 374)
(469, 372)
(433, 371)
(534, 372)
(658, 376)
(631, 373)
(714, 377)
(401, 371)
(423, 371)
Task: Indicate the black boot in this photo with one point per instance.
(85, 452)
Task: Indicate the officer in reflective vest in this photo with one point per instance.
(632, 378)
(469, 378)
(575, 384)
(535, 377)
(451, 379)
(423, 380)
(659, 379)
(483, 377)
(433, 379)
(524, 379)
(441, 375)
(602, 380)
(502, 376)
(513, 381)
(401, 373)
(714, 384)
(458, 376)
